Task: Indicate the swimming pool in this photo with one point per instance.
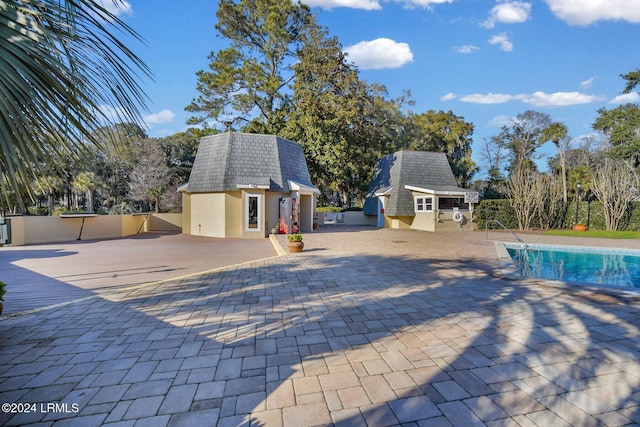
(613, 267)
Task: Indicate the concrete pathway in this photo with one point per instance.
(365, 327)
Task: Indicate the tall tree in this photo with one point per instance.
(247, 82)
(180, 151)
(613, 185)
(87, 182)
(523, 137)
(343, 123)
(556, 133)
(633, 80)
(494, 153)
(446, 133)
(61, 61)
(622, 126)
(114, 160)
(150, 177)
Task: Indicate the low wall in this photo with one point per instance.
(347, 218)
(28, 230)
(165, 222)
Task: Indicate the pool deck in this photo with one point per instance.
(364, 327)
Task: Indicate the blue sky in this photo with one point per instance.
(484, 60)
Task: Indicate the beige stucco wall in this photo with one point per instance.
(233, 214)
(186, 212)
(358, 218)
(165, 222)
(446, 221)
(272, 210)
(49, 229)
(132, 224)
(401, 222)
(424, 221)
(208, 216)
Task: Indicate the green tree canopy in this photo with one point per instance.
(248, 81)
(556, 133)
(446, 133)
(522, 138)
(343, 123)
(284, 74)
(633, 80)
(622, 126)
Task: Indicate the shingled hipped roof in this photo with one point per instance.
(421, 169)
(230, 161)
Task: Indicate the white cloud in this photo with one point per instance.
(426, 4)
(558, 99)
(467, 48)
(117, 7)
(626, 98)
(508, 12)
(585, 12)
(164, 116)
(488, 98)
(352, 4)
(503, 41)
(379, 53)
(537, 99)
(448, 97)
(587, 83)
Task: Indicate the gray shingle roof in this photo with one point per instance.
(228, 161)
(422, 169)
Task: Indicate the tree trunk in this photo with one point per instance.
(564, 174)
(50, 203)
(90, 201)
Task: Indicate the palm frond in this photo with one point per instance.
(61, 62)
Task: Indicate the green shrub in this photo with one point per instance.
(495, 209)
(329, 209)
(590, 213)
(295, 237)
(3, 290)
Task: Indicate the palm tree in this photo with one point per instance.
(87, 182)
(555, 133)
(61, 65)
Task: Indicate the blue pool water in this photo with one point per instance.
(571, 264)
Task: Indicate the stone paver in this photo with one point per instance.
(366, 327)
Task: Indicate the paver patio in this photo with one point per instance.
(365, 327)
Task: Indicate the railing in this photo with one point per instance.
(486, 232)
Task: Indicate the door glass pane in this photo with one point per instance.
(253, 211)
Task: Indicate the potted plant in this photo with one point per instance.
(579, 227)
(295, 242)
(2, 292)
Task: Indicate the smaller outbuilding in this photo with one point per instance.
(417, 190)
(246, 185)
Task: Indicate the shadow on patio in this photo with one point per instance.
(324, 338)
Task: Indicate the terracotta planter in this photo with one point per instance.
(295, 246)
(579, 227)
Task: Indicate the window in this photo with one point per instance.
(424, 204)
(253, 222)
(450, 202)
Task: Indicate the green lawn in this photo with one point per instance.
(596, 233)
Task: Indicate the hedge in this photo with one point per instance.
(590, 213)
